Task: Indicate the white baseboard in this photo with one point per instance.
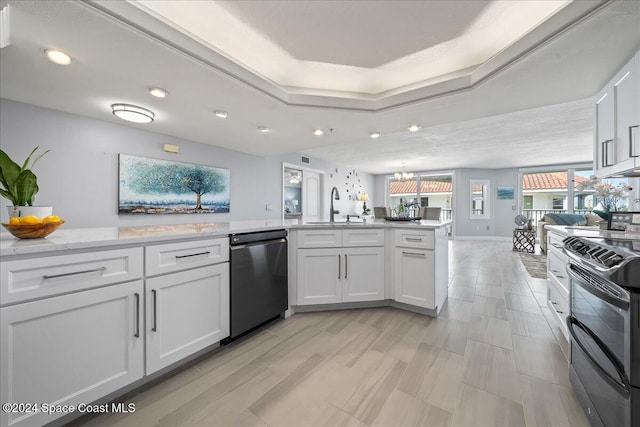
(491, 238)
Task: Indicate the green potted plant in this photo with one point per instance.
(20, 185)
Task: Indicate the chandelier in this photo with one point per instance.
(403, 176)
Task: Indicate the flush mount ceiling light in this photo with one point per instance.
(221, 114)
(375, 135)
(414, 128)
(132, 113)
(263, 129)
(158, 92)
(58, 57)
(403, 176)
(318, 132)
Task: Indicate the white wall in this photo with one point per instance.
(79, 177)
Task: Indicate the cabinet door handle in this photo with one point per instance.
(413, 239)
(414, 253)
(339, 265)
(190, 255)
(137, 297)
(155, 310)
(346, 266)
(605, 152)
(54, 276)
(632, 141)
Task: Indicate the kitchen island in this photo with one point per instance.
(139, 302)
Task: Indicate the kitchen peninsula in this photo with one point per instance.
(140, 302)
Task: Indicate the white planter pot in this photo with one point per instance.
(39, 211)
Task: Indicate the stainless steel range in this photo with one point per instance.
(604, 327)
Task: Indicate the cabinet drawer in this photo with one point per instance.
(556, 268)
(362, 237)
(31, 279)
(554, 240)
(423, 239)
(319, 238)
(558, 303)
(170, 257)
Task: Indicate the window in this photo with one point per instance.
(558, 203)
(422, 191)
(480, 199)
(571, 190)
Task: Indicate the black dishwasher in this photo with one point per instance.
(259, 279)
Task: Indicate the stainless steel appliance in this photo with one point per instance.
(259, 279)
(604, 327)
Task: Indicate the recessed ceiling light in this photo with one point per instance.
(375, 135)
(318, 132)
(263, 129)
(58, 57)
(414, 128)
(132, 113)
(222, 114)
(158, 92)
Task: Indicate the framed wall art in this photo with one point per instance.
(153, 186)
(506, 192)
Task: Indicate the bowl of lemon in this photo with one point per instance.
(33, 227)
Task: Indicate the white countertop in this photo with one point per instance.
(87, 238)
(595, 231)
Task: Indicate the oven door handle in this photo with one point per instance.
(623, 388)
(620, 303)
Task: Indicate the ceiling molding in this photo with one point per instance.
(148, 23)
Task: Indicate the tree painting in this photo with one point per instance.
(161, 186)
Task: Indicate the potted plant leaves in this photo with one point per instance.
(19, 186)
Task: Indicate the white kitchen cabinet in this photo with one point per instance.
(185, 312)
(557, 281)
(172, 257)
(29, 279)
(70, 349)
(363, 278)
(420, 268)
(414, 277)
(319, 276)
(350, 271)
(617, 116)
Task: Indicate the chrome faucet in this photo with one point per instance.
(332, 211)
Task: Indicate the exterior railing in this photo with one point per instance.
(537, 214)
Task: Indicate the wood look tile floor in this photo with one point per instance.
(490, 359)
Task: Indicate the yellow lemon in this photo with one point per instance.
(30, 220)
(51, 218)
(14, 220)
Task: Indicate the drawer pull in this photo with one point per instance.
(413, 253)
(137, 296)
(155, 310)
(346, 266)
(190, 255)
(413, 239)
(54, 276)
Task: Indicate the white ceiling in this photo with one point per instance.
(524, 106)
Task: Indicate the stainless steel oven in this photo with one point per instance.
(604, 327)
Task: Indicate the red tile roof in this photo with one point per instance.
(532, 181)
(549, 181)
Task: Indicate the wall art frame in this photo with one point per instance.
(156, 186)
